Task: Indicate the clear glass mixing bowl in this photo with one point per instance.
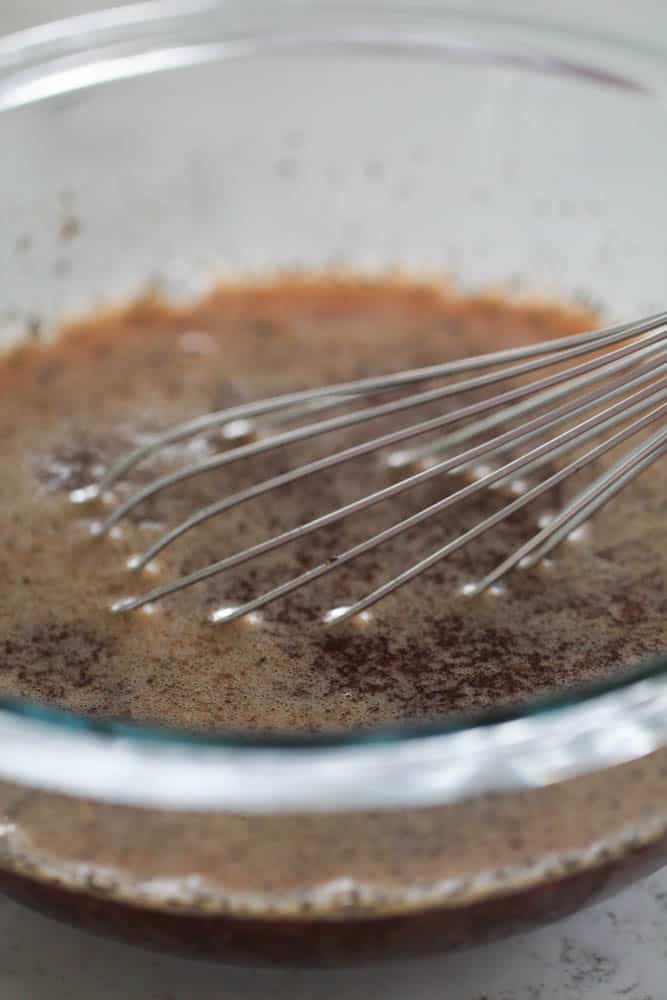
(168, 144)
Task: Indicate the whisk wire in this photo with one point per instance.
(236, 454)
(245, 411)
(459, 542)
(623, 383)
(572, 437)
(586, 502)
(501, 443)
(529, 405)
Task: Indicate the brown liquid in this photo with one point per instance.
(72, 407)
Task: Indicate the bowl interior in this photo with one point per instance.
(169, 153)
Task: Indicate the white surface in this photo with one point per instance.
(617, 949)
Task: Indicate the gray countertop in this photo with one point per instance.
(616, 949)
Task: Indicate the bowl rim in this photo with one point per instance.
(542, 741)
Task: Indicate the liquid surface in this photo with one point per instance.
(72, 407)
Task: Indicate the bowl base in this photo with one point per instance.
(321, 942)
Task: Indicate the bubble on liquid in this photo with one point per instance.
(198, 447)
(411, 460)
(472, 589)
(116, 532)
(149, 609)
(518, 487)
(84, 494)
(226, 612)
(579, 534)
(236, 429)
(399, 459)
(479, 471)
(545, 519)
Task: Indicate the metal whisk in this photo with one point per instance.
(611, 382)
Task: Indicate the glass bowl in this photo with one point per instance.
(169, 144)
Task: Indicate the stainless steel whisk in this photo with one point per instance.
(617, 375)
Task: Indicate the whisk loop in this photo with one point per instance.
(615, 394)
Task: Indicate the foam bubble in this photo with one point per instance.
(479, 471)
(236, 429)
(198, 446)
(579, 534)
(149, 609)
(398, 459)
(518, 487)
(85, 494)
(471, 589)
